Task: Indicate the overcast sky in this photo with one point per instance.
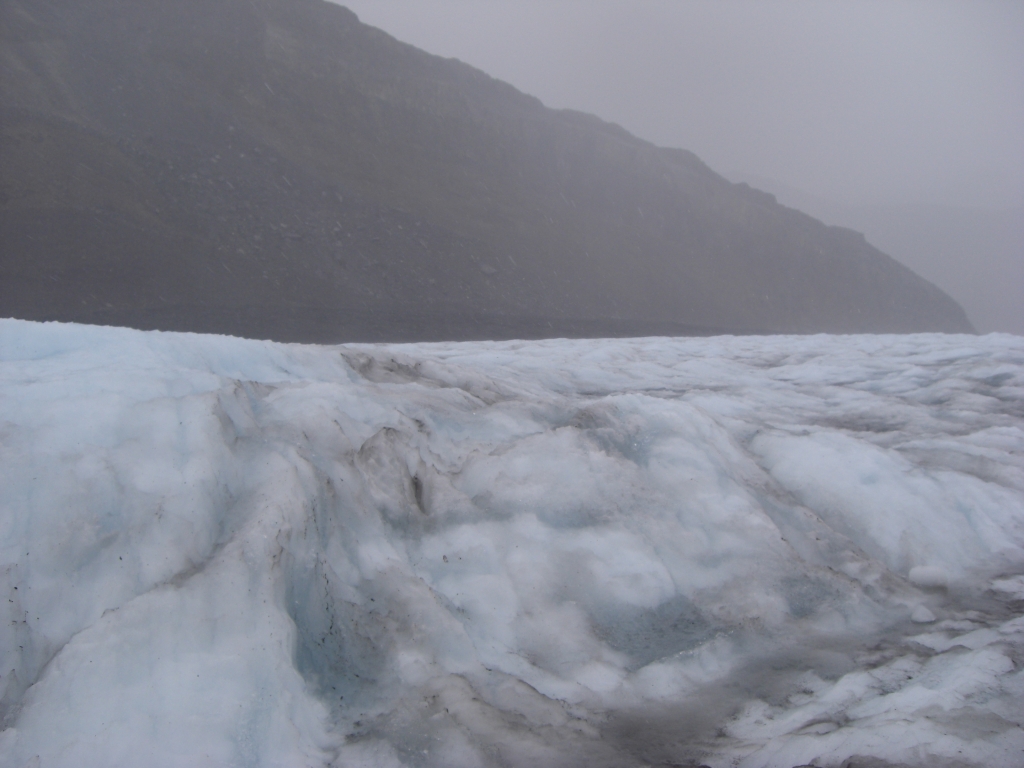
(866, 101)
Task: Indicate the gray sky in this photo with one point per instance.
(872, 101)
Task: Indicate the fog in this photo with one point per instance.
(358, 410)
(832, 106)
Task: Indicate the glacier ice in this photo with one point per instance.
(735, 551)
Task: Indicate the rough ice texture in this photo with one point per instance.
(770, 551)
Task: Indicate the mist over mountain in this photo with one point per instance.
(275, 168)
(976, 255)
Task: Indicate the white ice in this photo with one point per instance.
(750, 551)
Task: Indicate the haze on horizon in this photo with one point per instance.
(902, 119)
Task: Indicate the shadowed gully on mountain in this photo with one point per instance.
(275, 168)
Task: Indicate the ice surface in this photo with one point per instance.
(770, 551)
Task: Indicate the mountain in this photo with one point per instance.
(974, 254)
(275, 168)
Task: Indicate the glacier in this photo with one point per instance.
(731, 551)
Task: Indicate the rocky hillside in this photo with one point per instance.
(275, 168)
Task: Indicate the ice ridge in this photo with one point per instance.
(735, 551)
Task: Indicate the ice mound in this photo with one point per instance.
(771, 551)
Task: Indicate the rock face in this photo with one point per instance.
(275, 168)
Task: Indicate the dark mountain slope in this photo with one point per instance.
(275, 168)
